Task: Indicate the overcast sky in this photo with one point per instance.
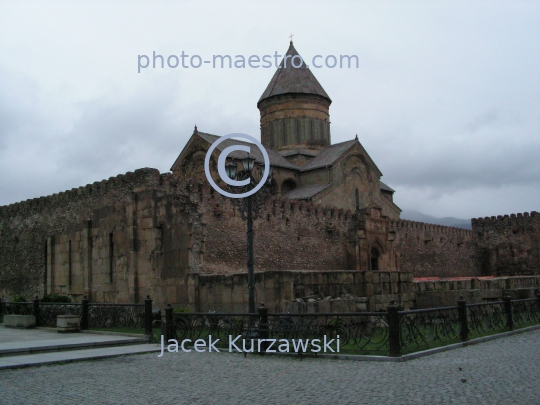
(446, 98)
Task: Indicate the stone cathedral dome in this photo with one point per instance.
(295, 109)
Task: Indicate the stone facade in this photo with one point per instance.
(148, 233)
(435, 250)
(305, 291)
(438, 293)
(509, 244)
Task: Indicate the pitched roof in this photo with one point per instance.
(329, 155)
(275, 158)
(306, 192)
(385, 187)
(289, 79)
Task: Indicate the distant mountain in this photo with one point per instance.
(447, 221)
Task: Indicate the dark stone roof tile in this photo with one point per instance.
(275, 158)
(306, 192)
(385, 187)
(329, 155)
(289, 79)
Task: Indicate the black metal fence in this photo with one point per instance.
(93, 315)
(392, 333)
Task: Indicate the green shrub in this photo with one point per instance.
(18, 309)
(55, 298)
(181, 310)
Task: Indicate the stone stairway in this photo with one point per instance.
(34, 347)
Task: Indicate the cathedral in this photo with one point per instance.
(295, 130)
(330, 228)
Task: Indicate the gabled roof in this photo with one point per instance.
(387, 188)
(275, 158)
(306, 192)
(331, 154)
(289, 79)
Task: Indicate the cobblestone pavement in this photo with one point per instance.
(502, 371)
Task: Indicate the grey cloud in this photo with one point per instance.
(486, 118)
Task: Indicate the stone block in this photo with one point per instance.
(146, 223)
(172, 294)
(394, 278)
(368, 277)
(394, 288)
(223, 297)
(20, 321)
(338, 306)
(68, 323)
(359, 307)
(377, 289)
(324, 306)
(347, 278)
(369, 290)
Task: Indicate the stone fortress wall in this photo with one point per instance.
(146, 233)
(435, 250)
(509, 244)
(30, 229)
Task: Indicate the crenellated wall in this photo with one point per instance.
(435, 250)
(146, 233)
(35, 234)
(509, 244)
(286, 235)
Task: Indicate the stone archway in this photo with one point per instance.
(376, 252)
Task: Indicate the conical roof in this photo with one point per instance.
(289, 79)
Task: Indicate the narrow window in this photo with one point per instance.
(69, 264)
(357, 200)
(111, 257)
(374, 259)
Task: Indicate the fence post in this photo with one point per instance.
(462, 314)
(36, 311)
(508, 310)
(148, 316)
(394, 329)
(169, 327)
(263, 326)
(84, 313)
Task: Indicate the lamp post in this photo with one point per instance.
(250, 208)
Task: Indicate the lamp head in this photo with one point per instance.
(230, 168)
(248, 163)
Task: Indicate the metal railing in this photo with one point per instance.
(392, 332)
(366, 331)
(93, 315)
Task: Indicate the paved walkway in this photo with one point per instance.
(30, 347)
(502, 371)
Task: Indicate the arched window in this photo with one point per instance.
(374, 259)
(287, 186)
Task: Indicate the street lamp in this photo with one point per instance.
(249, 208)
(230, 168)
